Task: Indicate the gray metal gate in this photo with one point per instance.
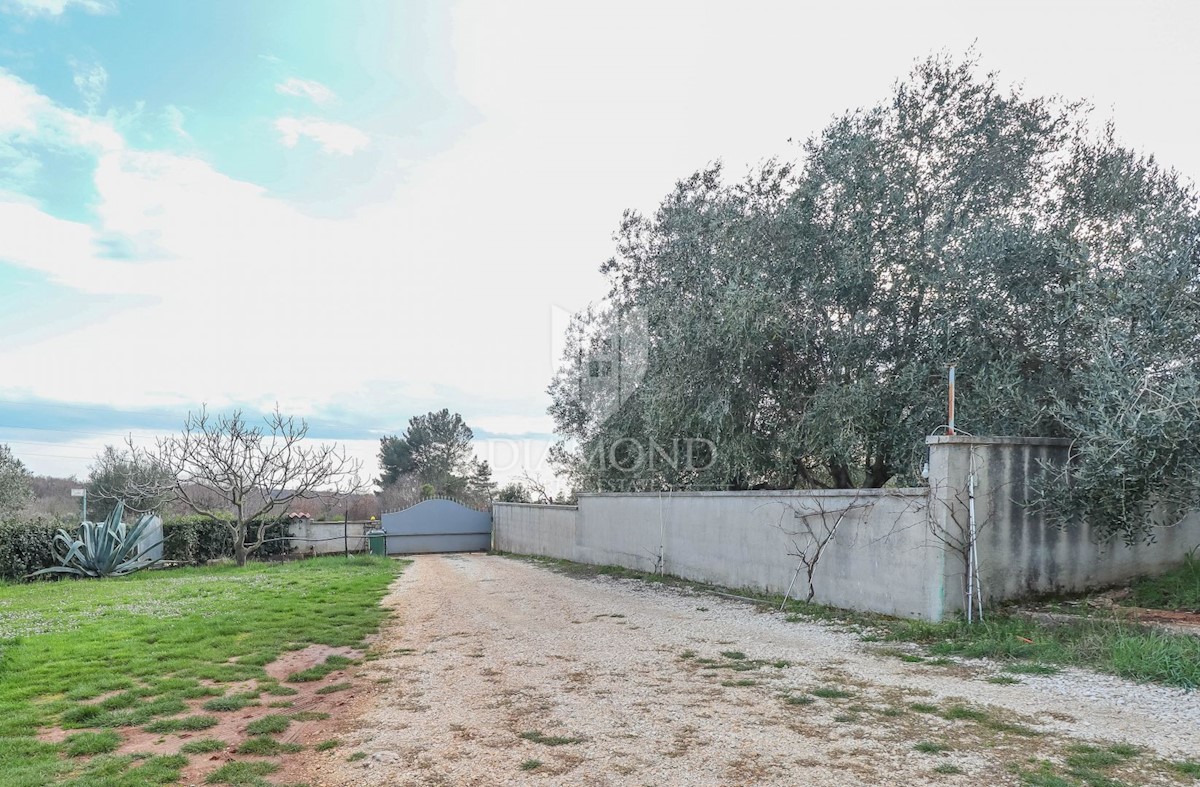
(437, 525)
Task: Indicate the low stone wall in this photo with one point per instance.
(328, 538)
(880, 557)
(897, 551)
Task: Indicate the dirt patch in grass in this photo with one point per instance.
(294, 661)
(54, 734)
(317, 707)
(1178, 621)
(311, 717)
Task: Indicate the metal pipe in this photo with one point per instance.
(972, 554)
(950, 420)
(791, 585)
(662, 537)
(974, 539)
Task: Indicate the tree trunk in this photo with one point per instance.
(879, 473)
(840, 473)
(240, 552)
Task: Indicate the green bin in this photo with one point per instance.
(378, 539)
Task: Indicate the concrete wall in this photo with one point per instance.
(151, 545)
(527, 529)
(326, 537)
(881, 557)
(898, 551)
(1019, 553)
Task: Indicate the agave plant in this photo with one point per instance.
(103, 549)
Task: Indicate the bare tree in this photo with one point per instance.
(537, 488)
(254, 471)
(52, 498)
(956, 523)
(815, 529)
(362, 506)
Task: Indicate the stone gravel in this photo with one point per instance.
(485, 653)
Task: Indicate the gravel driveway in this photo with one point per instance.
(499, 671)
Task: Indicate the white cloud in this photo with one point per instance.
(18, 169)
(513, 424)
(306, 88)
(27, 115)
(334, 138)
(57, 7)
(20, 106)
(91, 82)
(235, 288)
(174, 118)
(63, 250)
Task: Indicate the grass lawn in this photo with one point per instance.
(1177, 590)
(1098, 639)
(99, 656)
(1099, 642)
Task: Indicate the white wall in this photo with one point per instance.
(327, 530)
(527, 529)
(881, 558)
(894, 553)
(1020, 554)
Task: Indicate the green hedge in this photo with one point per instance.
(27, 546)
(197, 539)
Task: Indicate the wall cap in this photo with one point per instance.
(969, 440)
(920, 491)
(534, 505)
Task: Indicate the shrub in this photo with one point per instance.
(197, 539)
(26, 546)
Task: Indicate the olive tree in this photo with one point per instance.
(15, 488)
(802, 318)
(124, 476)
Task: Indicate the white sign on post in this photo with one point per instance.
(77, 492)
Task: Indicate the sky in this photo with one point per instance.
(361, 211)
